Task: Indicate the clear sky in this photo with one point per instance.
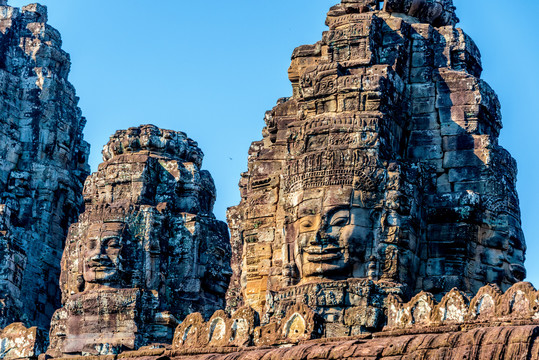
(212, 68)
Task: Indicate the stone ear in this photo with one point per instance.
(80, 283)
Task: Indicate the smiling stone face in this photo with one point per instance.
(101, 254)
(322, 249)
(332, 244)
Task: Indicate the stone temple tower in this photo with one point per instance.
(382, 174)
(146, 252)
(43, 164)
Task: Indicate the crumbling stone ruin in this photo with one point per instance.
(146, 252)
(381, 176)
(43, 164)
(378, 218)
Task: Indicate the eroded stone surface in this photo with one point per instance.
(43, 164)
(482, 343)
(18, 342)
(146, 252)
(381, 175)
(489, 305)
(518, 306)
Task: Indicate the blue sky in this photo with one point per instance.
(212, 70)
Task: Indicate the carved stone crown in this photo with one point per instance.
(351, 177)
(351, 168)
(107, 213)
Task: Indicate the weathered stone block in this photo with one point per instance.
(443, 184)
(426, 152)
(18, 342)
(427, 90)
(464, 174)
(475, 186)
(463, 158)
(425, 137)
(421, 74)
(426, 121)
(423, 105)
(422, 59)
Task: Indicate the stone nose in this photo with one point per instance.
(99, 257)
(227, 272)
(320, 238)
(101, 248)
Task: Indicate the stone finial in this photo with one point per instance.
(436, 12)
(151, 139)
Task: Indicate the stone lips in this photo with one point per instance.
(43, 164)
(146, 252)
(383, 167)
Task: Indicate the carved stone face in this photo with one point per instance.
(332, 245)
(101, 254)
(218, 275)
(516, 257)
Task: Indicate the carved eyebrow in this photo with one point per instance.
(340, 216)
(337, 210)
(111, 237)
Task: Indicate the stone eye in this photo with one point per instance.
(114, 243)
(340, 221)
(306, 224)
(92, 244)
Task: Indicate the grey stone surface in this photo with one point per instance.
(43, 164)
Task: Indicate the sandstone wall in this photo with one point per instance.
(43, 164)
